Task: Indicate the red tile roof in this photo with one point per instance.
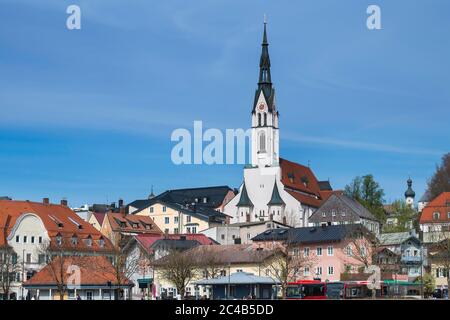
(147, 240)
(301, 183)
(99, 216)
(94, 270)
(440, 204)
(57, 219)
(132, 223)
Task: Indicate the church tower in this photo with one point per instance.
(410, 194)
(265, 134)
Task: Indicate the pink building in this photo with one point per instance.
(326, 252)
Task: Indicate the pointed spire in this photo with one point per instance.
(276, 199)
(244, 200)
(152, 195)
(265, 78)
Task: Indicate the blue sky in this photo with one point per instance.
(88, 114)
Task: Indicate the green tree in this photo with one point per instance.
(368, 192)
(407, 217)
(429, 283)
(440, 181)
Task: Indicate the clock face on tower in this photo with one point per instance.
(261, 106)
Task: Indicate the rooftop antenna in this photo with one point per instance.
(309, 163)
(265, 19)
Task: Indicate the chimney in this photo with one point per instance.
(122, 211)
(46, 201)
(120, 203)
(64, 202)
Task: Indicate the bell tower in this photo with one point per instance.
(265, 133)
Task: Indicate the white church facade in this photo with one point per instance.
(273, 188)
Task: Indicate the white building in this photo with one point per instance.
(273, 188)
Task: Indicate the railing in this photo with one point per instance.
(411, 259)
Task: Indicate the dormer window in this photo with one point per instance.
(58, 240)
(333, 213)
(74, 240)
(291, 177)
(101, 242)
(436, 215)
(89, 241)
(324, 214)
(205, 200)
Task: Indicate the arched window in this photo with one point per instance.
(265, 119)
(262, 142)
(259, 119)
(436, 215)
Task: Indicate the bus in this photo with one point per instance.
(306, 289)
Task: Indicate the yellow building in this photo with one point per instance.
(185, 210)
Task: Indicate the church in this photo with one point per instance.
(273, 188)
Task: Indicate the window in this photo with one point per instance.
(306, 252)
(330, 250)
(348, 251)
(330, 270)
(151, 209)
(24, 239)
(32, 239)
(175, 219)
(222, 236)
(306, 271)
(164, 208)
(259, 119)
(318, 271)
(167, 230)
(448, 215)
(324, 214)
(89, 241)
(436, 215)
(319, 251)
(194, 229)
(176, 230)
(362, 251)
(28, 257)
(101, 242)
(333, 213)
(166, 220)
(295, 252)
(89, 295)
(41, 258)
(262, 142)
(74, 240)
(188, 219)
(248, 236)
(17, 239)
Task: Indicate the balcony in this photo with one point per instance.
(411, 259)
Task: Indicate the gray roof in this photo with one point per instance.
(275, 199)
(190, 201)
(176, 244)
(332, 233)
(244, 200)
(256, 223)
(396, 238)
(238, 278)
(340, 203)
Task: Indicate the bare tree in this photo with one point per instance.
(440, 181)
(59, 256)
(125, 261)
(178, 268)
(287, 263)
(8, 268)
(362, 248)
(208, 262)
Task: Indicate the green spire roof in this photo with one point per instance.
(410, 192)
(244, 201)
(275, 200)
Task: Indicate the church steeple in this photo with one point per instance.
(265, 138)
(265, 78)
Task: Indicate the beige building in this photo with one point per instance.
(185, 210)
